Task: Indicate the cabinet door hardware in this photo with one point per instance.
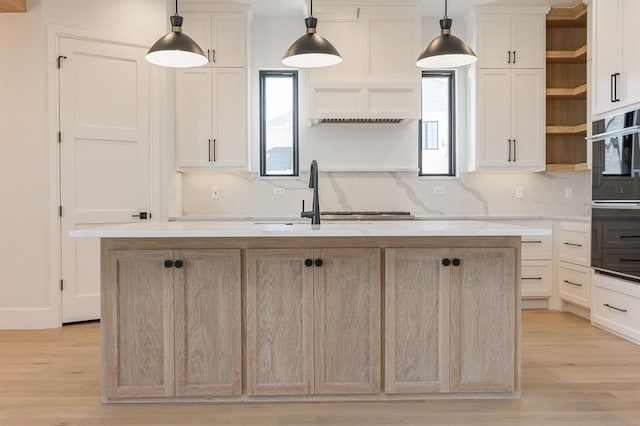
(572, 283)
(60, 211)
(514, 56)
(59, 59)
(572, 244)
(319, 262)
(142, 215)
(308, 262)
(629, 260)
(616, 86)
(209, 150)
(612, 87)
(59, 137)
(214, 150)
(613, 307)
(456, 262)
(532, 242)
(629, 236)
(509, 60)
(213, 55)
(509, 147)
(209, 54)
(446, 262)
(531, 278)
(168, 264)
(178, 264)
(514, 150)
(61, 285)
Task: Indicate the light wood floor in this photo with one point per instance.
(573, 374)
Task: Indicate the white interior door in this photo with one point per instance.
(104, 157)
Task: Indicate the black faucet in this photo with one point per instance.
(314, 214)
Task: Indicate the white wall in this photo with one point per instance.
(471, 194)
(28, 276)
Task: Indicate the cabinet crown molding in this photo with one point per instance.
(510, 10)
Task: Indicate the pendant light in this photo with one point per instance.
(311, 50)
(176, 49)
(446, 50)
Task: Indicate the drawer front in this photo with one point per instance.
(537, 278)
(534, 248)
(616, 311)
(574, 283)
(621, 234)
(574, 246)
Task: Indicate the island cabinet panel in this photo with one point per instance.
(138, 324)
(279, 321)
(208, 345)
(416, 320)
(483, 320)
(347, 321)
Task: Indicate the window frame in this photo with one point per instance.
(451, 76)
(263, 75)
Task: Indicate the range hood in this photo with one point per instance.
(377, 83)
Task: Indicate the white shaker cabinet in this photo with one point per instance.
(510, 119)
(616, 57)
(511, 40)
(220, 34)
(211, 118)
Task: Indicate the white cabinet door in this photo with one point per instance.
(527, 118)
(229, 145)
(197, 25)
(527, 41)
(494, 41)
(494, 118)
(630, 83)
(193, 117)
(228, 35)
(606, 54)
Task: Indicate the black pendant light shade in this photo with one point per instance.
(176, 49)
(311, 50)
(446, 50)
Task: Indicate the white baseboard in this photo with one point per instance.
(535, 303)
(576, 310)
(28, 318)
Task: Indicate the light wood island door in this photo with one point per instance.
(208, 345)
(279, 321)
(347, 321)
(483, 320)
(416, 320)
(138, 324)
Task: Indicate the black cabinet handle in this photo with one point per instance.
(308, 262)
(446, 262)
(616, 86)
(612, 88)
(209, 55)
(214, 149)
(142, 215)
(629, 260)
(509, 60)
(318, 262)
(532, 242)
(514, 56)
(213, 55)
(456, 262)
(509, 147)
(613, 307)
(629, 236)
(532, 278)
(209, 150)
(572, 244)
(514, 150)
(572, 283)
(168, 264)
(178, 263)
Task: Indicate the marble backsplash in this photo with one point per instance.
(471, 195)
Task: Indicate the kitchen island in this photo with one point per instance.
(261, 311)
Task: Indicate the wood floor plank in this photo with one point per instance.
(572, 374)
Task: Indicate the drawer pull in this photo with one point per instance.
(531, 242)
(572, 283)
(532, 278)
(613, 307)
(573, 244)
(629, 260)
(629, 236)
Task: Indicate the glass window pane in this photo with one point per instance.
(436, 145)
(278, 125)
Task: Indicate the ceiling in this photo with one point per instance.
(429, 7)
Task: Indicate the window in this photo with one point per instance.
(278, 123)
(436, 156)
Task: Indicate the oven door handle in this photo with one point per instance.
(622, 132)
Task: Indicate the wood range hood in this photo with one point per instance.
(10, 6)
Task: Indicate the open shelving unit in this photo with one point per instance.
(567, 88)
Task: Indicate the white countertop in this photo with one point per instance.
(242, 229)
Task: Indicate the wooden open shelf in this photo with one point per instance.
(10, 6)
(566, 147)
(579, 92)
(567, 130)
(577, 167)
(578, 56)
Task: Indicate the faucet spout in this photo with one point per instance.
(314, 214)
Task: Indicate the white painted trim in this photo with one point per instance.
(53, 318)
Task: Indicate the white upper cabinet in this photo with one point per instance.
(220, 33)
(616, 56)
(511, 40)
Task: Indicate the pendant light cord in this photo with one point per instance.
(176, 7)
(310, 11)
(445, 8)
